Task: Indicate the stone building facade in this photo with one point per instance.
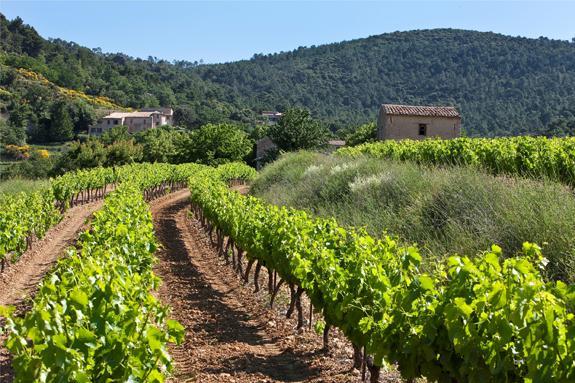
(135, 121)
(396, 122)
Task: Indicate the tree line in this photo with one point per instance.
(210, 144)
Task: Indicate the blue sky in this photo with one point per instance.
(220, 31)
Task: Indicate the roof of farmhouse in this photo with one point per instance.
(414, 110)
(163, 110)
(130, 114)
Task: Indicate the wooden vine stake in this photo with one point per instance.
(257, 277)
(326, 337)
(357, 357)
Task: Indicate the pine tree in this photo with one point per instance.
(61, 125)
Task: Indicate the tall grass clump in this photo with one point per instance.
(444, 210)
(17, 185)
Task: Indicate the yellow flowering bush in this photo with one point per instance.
(4, 92)
(18, 152)
(24, 152)
(43, 153)
(101, 101)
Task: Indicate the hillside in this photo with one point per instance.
(126, 81)
(503, 85)
(28, 79)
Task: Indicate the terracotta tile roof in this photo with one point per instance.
(412, 110)
(116, 115)
(164, 111)
(130, 114)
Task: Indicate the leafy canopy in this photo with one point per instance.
(217, 144)
(297, 130)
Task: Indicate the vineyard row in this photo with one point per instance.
(26, 216)
(475, 319)
(94, 318)
(537, 157)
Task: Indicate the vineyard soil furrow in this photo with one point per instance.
(20, 280)
(231, 334)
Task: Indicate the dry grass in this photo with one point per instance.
(16, 185)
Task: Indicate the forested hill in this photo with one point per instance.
(501, 84)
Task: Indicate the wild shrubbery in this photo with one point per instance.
(445, 211)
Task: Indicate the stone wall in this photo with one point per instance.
(396, 127)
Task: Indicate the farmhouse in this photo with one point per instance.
(271, 117)
(166, 115)
(398, 122)
(135, 121)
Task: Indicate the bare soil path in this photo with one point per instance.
(19, 281)
(231, 333)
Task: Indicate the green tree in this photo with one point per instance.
(159, 144)
(259, 131)
(90, 154)
(561, 127)
(39, 131)
(84, 116)
(184, 117)
(297, 130)
(214, 144)
(123, 152)
(364, 133)
(11, 135)
(61, 124)
(94, 153)
(19, 114)
(114, 134)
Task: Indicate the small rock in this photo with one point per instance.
(272, 324)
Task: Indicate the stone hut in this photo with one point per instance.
(396, 122)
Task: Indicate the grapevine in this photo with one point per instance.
(538, 157)
(470, 320)
(93, 318)
(26, 216)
